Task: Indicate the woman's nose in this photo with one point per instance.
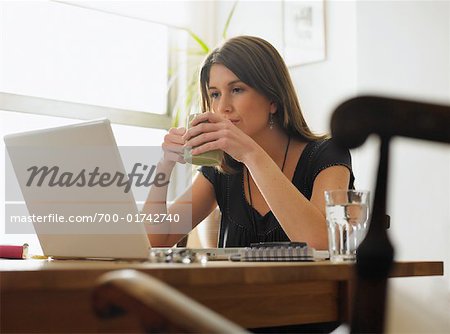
(224, 105)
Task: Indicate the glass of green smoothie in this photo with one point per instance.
(210, 158)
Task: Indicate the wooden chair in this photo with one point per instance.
(159, 307)
(351, 124)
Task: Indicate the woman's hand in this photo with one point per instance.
(210, 131)
(173, 146)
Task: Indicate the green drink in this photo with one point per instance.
(210, 158)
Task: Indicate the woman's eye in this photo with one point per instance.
(214, 95)
(237, 90)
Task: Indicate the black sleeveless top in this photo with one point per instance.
(236, 228)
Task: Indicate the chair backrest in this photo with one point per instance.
(158, 307)
(351, 124)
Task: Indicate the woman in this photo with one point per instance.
(270, 185)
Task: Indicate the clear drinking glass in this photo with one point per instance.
(210, 158)
(347, 213)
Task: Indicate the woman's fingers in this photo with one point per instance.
(202, 128)
(173, 145)
(175, 135)
(168, 147)
(210, 131)
(200, 118)
(177, 131)
(206, 117)
(207, 137)
(174, 157)
(174, 152)
(206, 147)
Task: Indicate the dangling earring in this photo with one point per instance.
(271, 121)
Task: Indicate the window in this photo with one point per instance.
(83, 63)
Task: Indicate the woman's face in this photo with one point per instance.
(238, 102)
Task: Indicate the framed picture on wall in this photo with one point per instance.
(303, 32)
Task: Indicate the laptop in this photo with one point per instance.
(72, 149)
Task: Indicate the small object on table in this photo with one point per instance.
(275, 252)
(13, 251)
(172, 255)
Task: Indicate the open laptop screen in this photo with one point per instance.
(53, 168)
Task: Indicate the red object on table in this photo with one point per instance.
(13, 252)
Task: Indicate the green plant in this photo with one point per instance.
(188, 101)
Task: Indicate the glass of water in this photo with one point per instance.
(347, 213)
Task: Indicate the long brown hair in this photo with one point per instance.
(259, 65)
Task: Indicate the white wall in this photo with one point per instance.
(324, 85)
(404, 51)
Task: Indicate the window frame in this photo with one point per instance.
(58, 108)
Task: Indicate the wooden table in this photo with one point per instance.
(41, 295)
